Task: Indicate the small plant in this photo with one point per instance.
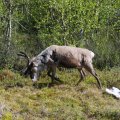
(7, 116)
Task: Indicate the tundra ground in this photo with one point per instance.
(20, 99)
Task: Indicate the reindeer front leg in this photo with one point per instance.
(52, 73)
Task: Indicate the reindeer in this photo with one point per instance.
(60, 56)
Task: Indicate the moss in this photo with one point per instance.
(60, 101)
(7, 116)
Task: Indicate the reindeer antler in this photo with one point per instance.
(23, 54)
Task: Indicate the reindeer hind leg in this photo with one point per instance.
(89, 68)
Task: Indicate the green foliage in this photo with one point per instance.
(37, 24)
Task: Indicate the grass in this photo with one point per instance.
(21, 100)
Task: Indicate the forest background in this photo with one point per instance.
(33, 25)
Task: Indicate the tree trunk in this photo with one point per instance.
(8, 30)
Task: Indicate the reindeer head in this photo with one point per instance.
(34, 66)
(37, 64)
